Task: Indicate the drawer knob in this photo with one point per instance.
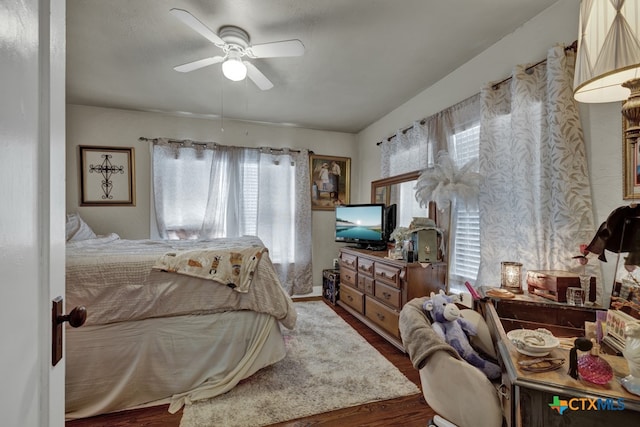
(349, 297)
(387, 295)
(380, 316)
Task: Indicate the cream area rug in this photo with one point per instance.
(328, 366)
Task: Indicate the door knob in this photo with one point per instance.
(76, 318)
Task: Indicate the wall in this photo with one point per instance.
(528, 44)
(112, 127)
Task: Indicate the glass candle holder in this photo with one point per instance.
(575, 295)
(512, 276)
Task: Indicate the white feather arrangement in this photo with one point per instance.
(445, 182)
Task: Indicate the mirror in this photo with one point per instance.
(400, 190)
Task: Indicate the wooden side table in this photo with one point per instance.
(529, 398)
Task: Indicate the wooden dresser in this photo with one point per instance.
(374, 289)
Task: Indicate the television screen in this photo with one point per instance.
(360, 224)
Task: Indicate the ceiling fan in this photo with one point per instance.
(234, 42)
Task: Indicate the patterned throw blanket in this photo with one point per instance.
(233, 267)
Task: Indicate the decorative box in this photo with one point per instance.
(614, 330)
(553, 284)
(331, 285)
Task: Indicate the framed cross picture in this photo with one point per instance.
(330, 181)
(107, 176)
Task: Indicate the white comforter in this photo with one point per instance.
(113, 279)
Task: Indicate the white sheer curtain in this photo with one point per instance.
(232, 195)
(417, 148)
(204, 191)
(535, 199)
(407, 152)
(284, 216)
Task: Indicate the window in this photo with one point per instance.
(173, 171)
(465, 251)
(205, 191)
(409, 206)
(226, 192)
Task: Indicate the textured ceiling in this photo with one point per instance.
(363, 58)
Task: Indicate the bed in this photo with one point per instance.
(161, 330)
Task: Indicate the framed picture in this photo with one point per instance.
(330, 181)
(631, 166)
(107, 176)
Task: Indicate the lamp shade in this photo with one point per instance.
(608, 50)
(233, 68)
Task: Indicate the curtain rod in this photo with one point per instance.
(573, 46)
(182, 141)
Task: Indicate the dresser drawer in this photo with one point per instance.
(382, 316)
(388, 274)
(349, 260)
(352, 298)
(347, 276)
(365, 284)
(365, 266)
(389, 295)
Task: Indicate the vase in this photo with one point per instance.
(397, 251)
(631, 352)
(585, 284)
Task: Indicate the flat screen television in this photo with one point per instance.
(361, 225)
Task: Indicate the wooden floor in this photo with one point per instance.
(405, 411)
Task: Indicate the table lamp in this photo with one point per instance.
(608, 57)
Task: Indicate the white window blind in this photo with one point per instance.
(465, 251)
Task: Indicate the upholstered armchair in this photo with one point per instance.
(454, 389)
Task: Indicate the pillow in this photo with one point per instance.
(77, 229)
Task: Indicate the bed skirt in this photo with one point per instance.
(174, 359)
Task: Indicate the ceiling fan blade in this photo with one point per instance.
(257, 77)
(201, 63)
(278, 49)
(197, 26)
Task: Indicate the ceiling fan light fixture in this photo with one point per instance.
(233, 68)
(234, 42)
